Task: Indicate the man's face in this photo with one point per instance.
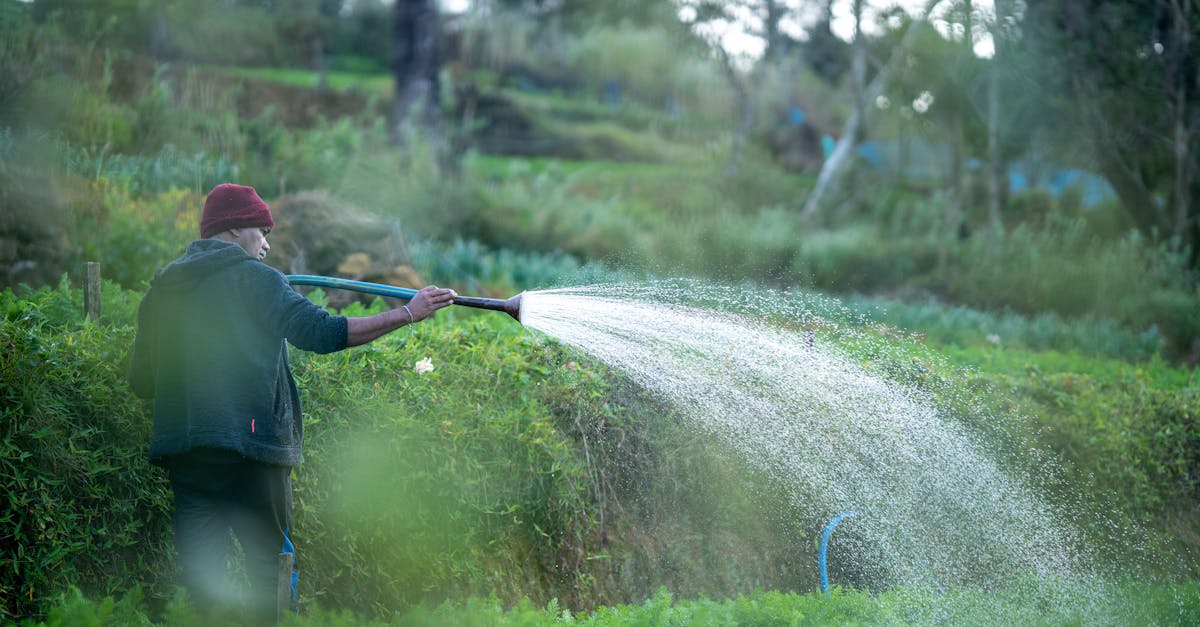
(253, 240)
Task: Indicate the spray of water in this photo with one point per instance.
(776, 384)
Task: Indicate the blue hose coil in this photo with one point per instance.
(824, 547)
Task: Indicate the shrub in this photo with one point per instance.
(861, 259)
(313, 159)
(137, 235)
(1135, 434)
(964, 326)
(1121, 439)
(81, 506)
(1065, 270)
(200, 33)
(25, 57)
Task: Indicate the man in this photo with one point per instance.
(211, 353)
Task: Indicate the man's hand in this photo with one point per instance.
(422, 305)
(428, 300)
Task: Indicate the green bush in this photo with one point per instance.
(81, 504)
(501, 472)
(1135, 433)
(1063, 269)
(23, 58)
(201, 33)
(314, 159)
(861, 259)
(964, 326)
(468, 445)
(135, 235)
(1120, 440)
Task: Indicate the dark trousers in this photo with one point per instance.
(217, 492)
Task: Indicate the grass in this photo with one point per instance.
(378, 84)
(1129, 603)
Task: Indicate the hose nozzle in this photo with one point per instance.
(511, 306)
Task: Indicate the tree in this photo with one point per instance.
(417, 68)
(837, 163)
(1130, 75)
(997, 183)
(823, 51)
(310, 26)
(957, 78)
(711, 20)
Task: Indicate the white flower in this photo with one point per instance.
(423, 366)
(992, 338)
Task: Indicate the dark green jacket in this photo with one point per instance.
(211, 352)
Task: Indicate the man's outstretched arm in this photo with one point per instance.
(424, 304)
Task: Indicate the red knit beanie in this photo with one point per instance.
(230, 206)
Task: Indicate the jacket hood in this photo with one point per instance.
(201, 259)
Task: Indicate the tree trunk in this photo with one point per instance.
(858, 66)
(747, 105)
(955, 207)
(997, 183)
(1182, 188)
(773, 14)
(1136, 195)
(834, 167)
(160, 36)
(319, 63)
(417, 66)
(749, 89)
(955, 222)
(1181, 16)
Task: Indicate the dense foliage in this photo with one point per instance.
(589, 142)
(511, 468)
(81, 503)
(516, 469)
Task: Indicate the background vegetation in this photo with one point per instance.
(587, 142)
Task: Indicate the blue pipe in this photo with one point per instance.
(825, 546)
(356, 286)
(511, 306)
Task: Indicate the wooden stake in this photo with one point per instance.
(91, 291)
(283, 592)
